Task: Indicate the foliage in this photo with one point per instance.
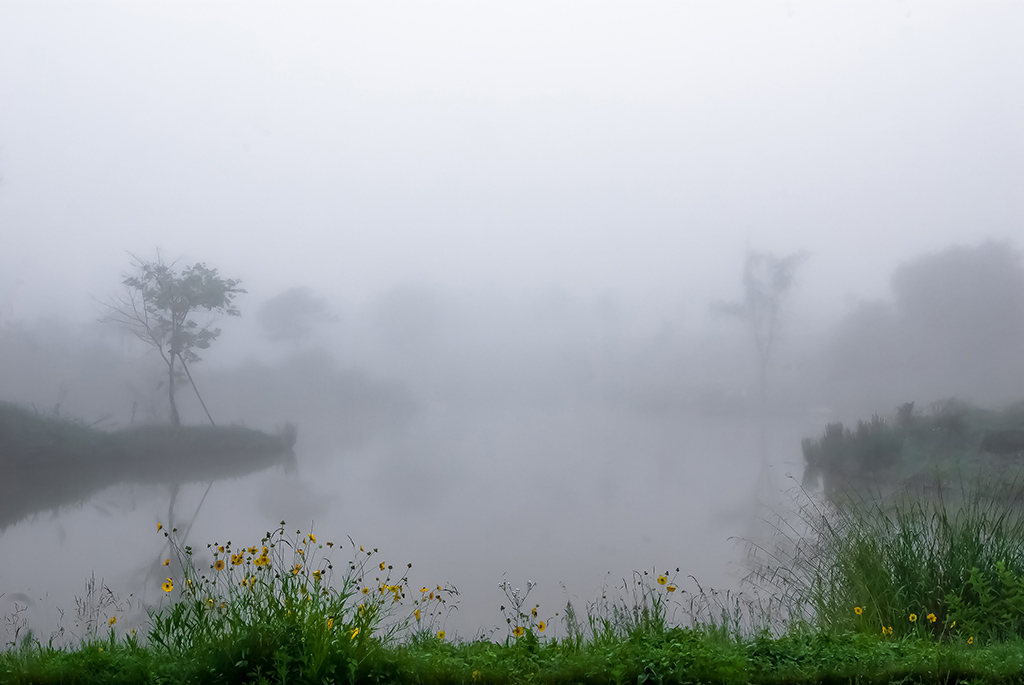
(945, 568)
(912, 450)
(49, 461)
(159, 306)
(279, 612)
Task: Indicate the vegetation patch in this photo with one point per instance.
(47, 461)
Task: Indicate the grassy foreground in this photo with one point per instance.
(923, 591)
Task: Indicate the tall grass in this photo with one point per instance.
(946, 565)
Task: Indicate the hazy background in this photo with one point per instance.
(516, 218)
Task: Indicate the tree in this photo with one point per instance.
(158, 307)
(767, 280)
(291, 315)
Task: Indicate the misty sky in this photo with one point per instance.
(627, 148)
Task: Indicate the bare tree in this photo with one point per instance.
(158, 306)
(767, 281)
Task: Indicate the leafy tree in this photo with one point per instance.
(767, 281)
(159, 304)
(291, 315)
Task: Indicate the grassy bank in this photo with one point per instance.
(48, 461)
(915, 590)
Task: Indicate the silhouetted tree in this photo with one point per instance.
(767, 281)
(158, 306)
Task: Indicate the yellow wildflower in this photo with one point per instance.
(312, 538)
(251, 550)
(541, 626)
(534, 612)
(858, 610)
(416, 614)
(112, 621)
(168, 585)
(382, 566)
(159, 527)
(970, 640)
(330, 623)
(440, 635)
(671, 588)
(518, 631)
(662, 579)
(316, 574)
(237, 559)
(932, 618)
(424, 590)
(354, 633)
(167, 562)
(221, 549)
(913, 618)
(366, 590)
(218, 565)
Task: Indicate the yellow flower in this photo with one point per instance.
(218, 565)
(541, 626)
(167, 562)
(440, 635)
(251, 550)
(858, 610)
(302, 552)
(382, 566)
(476, 675)
(221, 549)
(237, 559)
(671, 588)
(330, 623)
(261, 560)
(913, 618)
(316, 574)
(168, 585)
(312, 538)
(112, 621)
(662, 579)
(970, 640)
(159, 527)
(295, 571)
(416, 614)
(518, 631)
(952, 624)
(534, 612)
(424, 590)
(366, 590)
(932, 618)
(223, 605)
(354, 633)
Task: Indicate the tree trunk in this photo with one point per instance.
(175, 419)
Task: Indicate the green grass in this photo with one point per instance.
(826, 596)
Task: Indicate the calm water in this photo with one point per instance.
(574, 495)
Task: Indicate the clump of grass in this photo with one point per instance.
(280, 606)
(944, 567)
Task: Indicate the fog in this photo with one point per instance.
(482, 249)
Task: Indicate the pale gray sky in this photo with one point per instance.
(630, 147)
